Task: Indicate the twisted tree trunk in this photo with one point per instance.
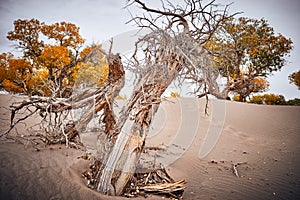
(126, 142)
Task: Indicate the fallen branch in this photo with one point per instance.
(165, 188)
(234, 168)
(156, 181)
(57, 124)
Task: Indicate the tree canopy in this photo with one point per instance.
(52, 57)
(295, 79)
(246, 50)
(268, 99)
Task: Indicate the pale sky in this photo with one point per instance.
(99, 20)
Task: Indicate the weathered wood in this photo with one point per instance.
(165, 187)
(120, 161)
(56, 112)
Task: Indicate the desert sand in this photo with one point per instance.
(262, 142)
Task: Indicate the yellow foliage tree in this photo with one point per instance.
(26, 33)
(268, 99)
(16, 74)
(92, 73)
(65, 34)
(4, 57)
(295, 78)
(244, 49)
(55, 59)
(257, 84)
(52, 64)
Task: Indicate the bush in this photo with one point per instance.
(268, 99)
(293, 102)
(236, 97)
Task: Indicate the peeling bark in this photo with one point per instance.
(128, 139)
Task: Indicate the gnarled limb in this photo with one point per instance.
(169, 52)
(55, 113)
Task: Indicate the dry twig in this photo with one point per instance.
(235, 169)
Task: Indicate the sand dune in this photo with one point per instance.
(262, 140)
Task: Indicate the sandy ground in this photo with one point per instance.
(262, 140)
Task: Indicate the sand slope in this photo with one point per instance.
(264, 138)
(267, 138)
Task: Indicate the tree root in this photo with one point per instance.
(155, 181)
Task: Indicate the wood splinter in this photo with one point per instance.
(234, 168)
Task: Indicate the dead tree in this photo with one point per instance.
(56, 114)
(169, 51)
(172, 49)
(133, 125)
